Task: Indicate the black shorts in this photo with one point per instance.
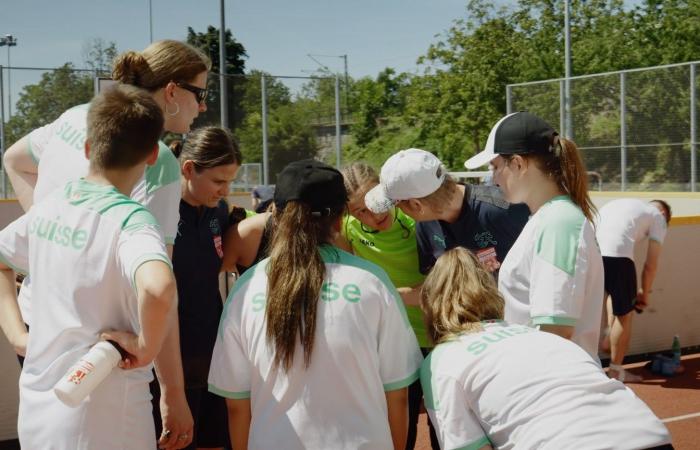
(209, 413)
(620, 283)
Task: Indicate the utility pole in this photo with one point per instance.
(222, 69)
(150, 20)
(328, 72)
(569, 132)
(9, 41)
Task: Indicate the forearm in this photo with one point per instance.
(648, 275)
(168, 362)
(22, 172)
(397, 406)
(239, 417)
(10, 317)
(157, 307)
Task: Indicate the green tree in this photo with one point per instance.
(41, 103)
(375, 101)
(98, 56)
(290, 132)
(236, 54)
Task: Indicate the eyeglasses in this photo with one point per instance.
(199, 93)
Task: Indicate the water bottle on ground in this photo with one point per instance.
(87, 373)
(676, 348)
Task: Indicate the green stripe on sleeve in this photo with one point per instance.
(165, 171)
(560, 230)
(552, 320)
(475, 445)
(147, 258)
(402, 383)
(232, 395)
(30, 150)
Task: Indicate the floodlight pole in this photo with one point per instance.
(150, 20)
(568, 131)
(9, 41)
(223, 93)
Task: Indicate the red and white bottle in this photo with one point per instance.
(87, 373)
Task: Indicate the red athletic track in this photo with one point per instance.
(667, 397)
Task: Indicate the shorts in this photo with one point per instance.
(620, 283)
(209, 413)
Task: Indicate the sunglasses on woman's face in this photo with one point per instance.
(199, 93)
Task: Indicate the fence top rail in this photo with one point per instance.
(603, 74)
(232, 75)
(73, 69)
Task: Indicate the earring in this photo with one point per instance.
(177, 110)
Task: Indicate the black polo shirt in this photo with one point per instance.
(487, 222)
(197, 257)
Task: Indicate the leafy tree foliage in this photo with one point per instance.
(43, 102)
(451, 106)
(236, 54)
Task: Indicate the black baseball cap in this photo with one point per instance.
(312, 182)
(520, 132)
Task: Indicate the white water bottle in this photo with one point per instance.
(87, 373)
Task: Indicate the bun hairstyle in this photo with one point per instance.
(160, 63)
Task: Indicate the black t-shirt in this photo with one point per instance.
(487, 222)
(197, 257)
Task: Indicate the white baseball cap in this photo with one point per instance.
(411, 173)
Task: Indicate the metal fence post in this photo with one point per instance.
(623, 135)
(266, 167)
(562, 108)
(337, 123)
(509, 100)
(693, 129)
(2, 134)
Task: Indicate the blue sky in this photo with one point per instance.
(277, 34)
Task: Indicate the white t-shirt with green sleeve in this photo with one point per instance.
(515, 387)
(624, 222)
(363, 347)
(553, 274)
(394, 250)
(59, 150)
(82, 244)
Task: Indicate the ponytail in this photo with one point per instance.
(566, 167)
(295, 276)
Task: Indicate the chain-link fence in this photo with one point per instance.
(275, 119)
(637, 129)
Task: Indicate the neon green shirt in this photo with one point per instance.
(395, 251)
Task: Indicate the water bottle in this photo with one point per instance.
(87, 373)
(676, 347)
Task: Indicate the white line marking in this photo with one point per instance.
(677, 418)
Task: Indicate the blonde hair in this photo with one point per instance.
(160, 63)
(359, 178)
(442, 196)
(457, 295)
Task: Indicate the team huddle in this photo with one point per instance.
(360, 296)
